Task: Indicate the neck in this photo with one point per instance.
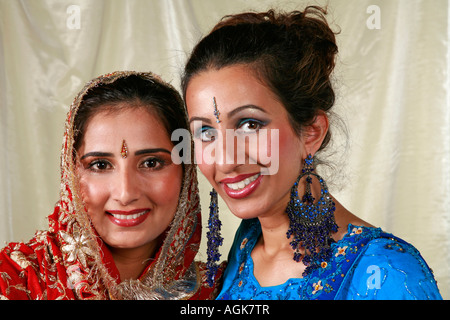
(131, 262)
(274, 226)
(273, 237)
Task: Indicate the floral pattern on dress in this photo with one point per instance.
(350, 272)
(321, 283)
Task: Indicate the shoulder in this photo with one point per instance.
(43, 241)
(21, 263)
(391, 268)
(15, 261)
(19, 255)
(397, 256)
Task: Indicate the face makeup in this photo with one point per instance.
(248, 108)
(130, 185)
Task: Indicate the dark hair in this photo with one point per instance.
(131, 91)
(292, 53)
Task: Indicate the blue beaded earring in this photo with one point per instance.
(214, 239)
(311, 224)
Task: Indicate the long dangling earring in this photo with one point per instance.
(311, 224)
(214, 239)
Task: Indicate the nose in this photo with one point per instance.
(229, 154)
(126, 188)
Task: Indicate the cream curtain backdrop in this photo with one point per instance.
(392, 83)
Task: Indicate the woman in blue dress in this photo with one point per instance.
(259, 97)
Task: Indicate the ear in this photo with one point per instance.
(314, 134)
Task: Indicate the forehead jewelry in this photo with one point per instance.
(216, 111)
(124, 150)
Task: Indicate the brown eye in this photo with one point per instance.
(152, 163)
(249, 126)
(99, 165)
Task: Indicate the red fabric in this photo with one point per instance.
(35, 270)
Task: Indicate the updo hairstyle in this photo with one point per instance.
(292, 53)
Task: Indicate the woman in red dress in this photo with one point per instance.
(127, 225)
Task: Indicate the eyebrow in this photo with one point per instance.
(154, 150)
(137, 153)
(202, 119)
(248, 106)
(230, 114)
(97, 154)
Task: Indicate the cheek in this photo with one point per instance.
(289, 144)
(165, 189)
(286, 154)
(264, 147)
(163, 193)
(208, 171)
(94, 194)
(205, 159)
(274, 146)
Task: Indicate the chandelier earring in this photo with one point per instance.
(214, 239)
(311, 223)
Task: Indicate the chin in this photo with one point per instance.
(127, 242)
(122, 245)
(244, 212)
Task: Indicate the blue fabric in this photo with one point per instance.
(366, 264)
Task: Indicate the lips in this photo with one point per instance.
(241, 186)
(128, 218)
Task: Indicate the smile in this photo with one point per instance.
(241, 186)
(128, 218)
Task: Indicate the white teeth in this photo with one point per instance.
(242, 184)
(128, 216)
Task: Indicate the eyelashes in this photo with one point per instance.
(153, 163)
(243, 126)
(99, 165)
(250, 125)
(103, 165)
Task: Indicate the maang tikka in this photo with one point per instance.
(214, 239)
(311, 224)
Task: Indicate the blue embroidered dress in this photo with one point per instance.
(366, 264)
